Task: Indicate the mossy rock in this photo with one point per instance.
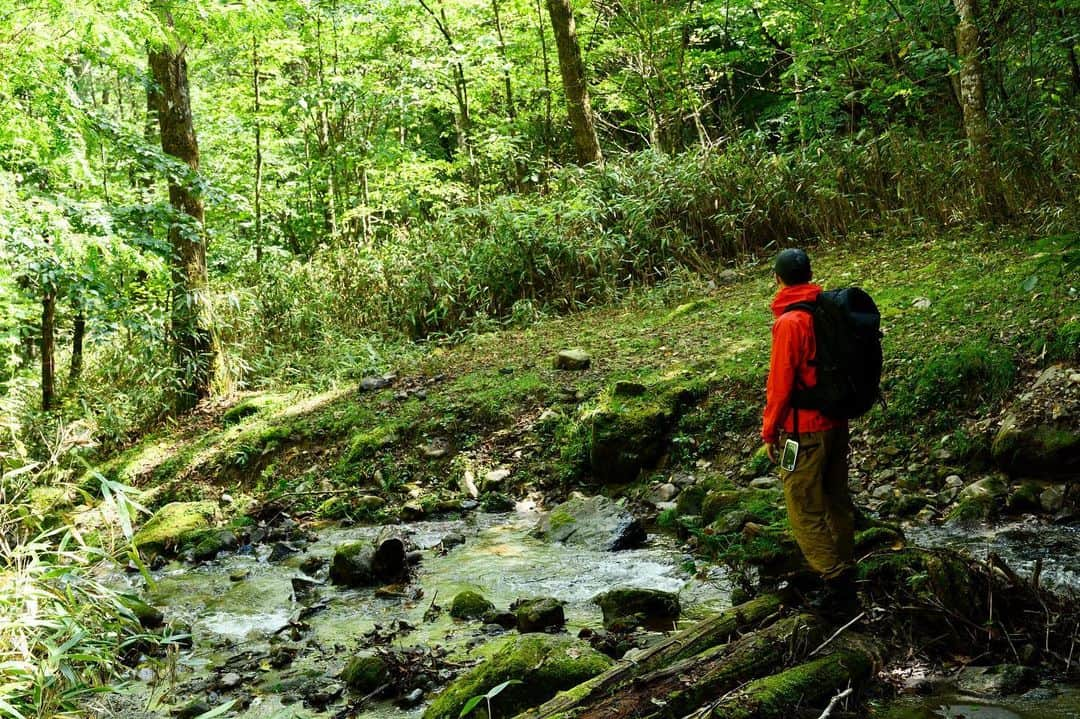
(1025, 497)
(496, 502)
(594, 522)
(625, 609)
(538, 615)
(365, 673)
(691, 500)
(719, 501)
(544, 664)
(169, 526)
(470, 605)
(205, 545)
(630, 433)
(979, 501)
(148, 616)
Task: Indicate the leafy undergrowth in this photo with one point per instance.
(964, 315)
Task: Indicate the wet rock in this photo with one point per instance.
(999, 680)
(211, 543)
(361, 564)
(470, 605)
(412, 699)
(980, 500)
(542, 664)
(453, 539)
(1052, 499)
(625, 609)
(503, 620)
(149, 617)
(596, 522)
(166, 530)
(280, 551)
(304, 587)
(414, 557)
(663, 493)
(572, 359)
(496, 502)
(1025, 497)
(311, 565)
(1040, 435)
(365, 673)
(538, 615)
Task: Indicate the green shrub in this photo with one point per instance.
(956, 377)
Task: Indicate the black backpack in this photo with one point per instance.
(847, 332)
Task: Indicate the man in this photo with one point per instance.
(819, 505)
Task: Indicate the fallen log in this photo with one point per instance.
(683, 645)
(806, 685)
(673, 691)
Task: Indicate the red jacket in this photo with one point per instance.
(792, 349)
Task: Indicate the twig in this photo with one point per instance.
(834, 702)
(837, 633)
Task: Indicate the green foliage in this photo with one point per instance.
(960, 376)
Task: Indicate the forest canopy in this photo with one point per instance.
(202, 196)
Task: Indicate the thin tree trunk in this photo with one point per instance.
(547, 75)
(258, 151)
(572, 68)
(973, 105)
(48, 353)
(511, 113)
(78, 334)
(193, 350)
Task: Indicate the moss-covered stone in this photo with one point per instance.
(470, 605)
(538, 615)
(544, 664)
(351, 565)
(629, 433)
(148, 616)
(1025, 497)
(626, 609)
(719, 501)
(365, 673)
(205, 545)
(979, 501)
(169, 526)
(594, 522)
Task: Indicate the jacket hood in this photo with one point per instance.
(796, 293)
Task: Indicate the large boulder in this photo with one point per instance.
(999, 680)
(543, 664)
(626, 609)
(596, 522)
(470, 605)
(171, 524)
(980, 500)
(628, 430)
(1040, 435)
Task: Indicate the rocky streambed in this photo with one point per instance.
(272, 634)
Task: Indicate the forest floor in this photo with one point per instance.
(966, 316)
(665, 416)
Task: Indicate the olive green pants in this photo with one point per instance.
(819, 505)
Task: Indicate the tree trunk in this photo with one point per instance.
(258, 151)
(574, 84)
(48, 353)
(78, 334)
(193, 350)
(547, 76)
(973, 106)
(510, 112)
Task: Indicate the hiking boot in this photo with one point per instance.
(838, 599)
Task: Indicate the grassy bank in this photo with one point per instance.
(965, 314)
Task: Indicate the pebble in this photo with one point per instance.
(239, 575)
(765, 483)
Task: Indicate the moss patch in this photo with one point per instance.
(544, 664)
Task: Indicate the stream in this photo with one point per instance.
(499, 559)
(241, 605)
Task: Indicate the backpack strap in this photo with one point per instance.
(807, 307)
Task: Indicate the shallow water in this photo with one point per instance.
(1057, 703)
(1021, 544)
(499, 559)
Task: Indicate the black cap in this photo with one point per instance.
(793, 267)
